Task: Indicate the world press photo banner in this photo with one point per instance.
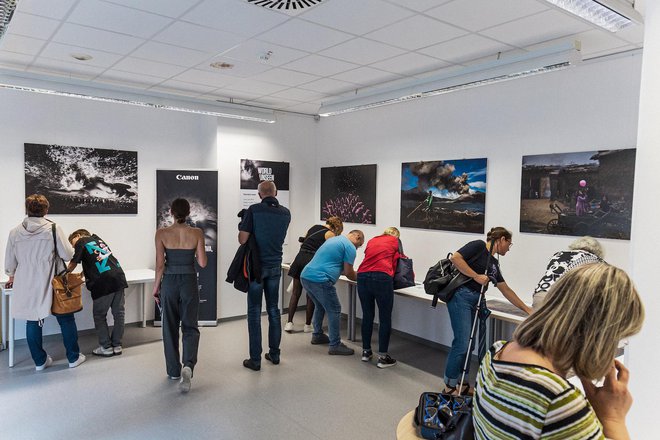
(255, 171)
(200, 188)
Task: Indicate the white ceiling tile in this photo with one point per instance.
(63, 52)
(310, 109)
(241, 69)
(598, 41)
(215, 79)
(476, 15)
(116, 18)
(410, 64)
(302, 35)
(182, 88)
(466, 48)
(252, 50)
(285, 77)
(356, 17)
(321, 66)
(166, 53)
(21, 44)
(362, 51)
(167, 8)
(633, 33)
(299, 95)
(32, 26)
(198, 37)
(153, 68)
(14, 60)
(258, 87)
(83, 36)
(610, 51)
(61, 68)
(130, 79)
(56, 8)
(536, 28)
(366, 76)
(417, 5)
(269, 101)
(416, 32)
(239, 18)
(328, 86)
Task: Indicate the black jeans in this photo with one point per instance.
(376, 288)
(179, 299)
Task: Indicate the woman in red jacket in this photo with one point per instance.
(375, 281)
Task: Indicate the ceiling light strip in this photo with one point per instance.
(7, 8)
(612, 15)
(136, 103)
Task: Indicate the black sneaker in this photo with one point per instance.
(341, 350)
(367, 355)
(386, 361)
(249, 363)
(320, 339)
(274, 359)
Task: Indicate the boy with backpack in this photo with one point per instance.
(106, 281)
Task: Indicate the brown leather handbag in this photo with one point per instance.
(67, 286)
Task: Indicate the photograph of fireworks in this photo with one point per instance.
(585, 193)
(82, 180)
(449, 195)
(349, 193)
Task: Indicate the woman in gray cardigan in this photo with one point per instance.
(30, 264)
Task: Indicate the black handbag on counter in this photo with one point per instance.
(404, 275)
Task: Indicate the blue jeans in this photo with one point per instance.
(33, 334)
(270, 287)
(376, 288)
(462, 308)
(324, 296)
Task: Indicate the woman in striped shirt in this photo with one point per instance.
(522, 392)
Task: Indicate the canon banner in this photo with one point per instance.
(200, 188)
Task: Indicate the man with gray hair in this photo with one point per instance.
(267, 222)
(334, 257)
(584, 250)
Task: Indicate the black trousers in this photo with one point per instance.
(179, 299)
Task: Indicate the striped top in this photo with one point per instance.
(521, 401)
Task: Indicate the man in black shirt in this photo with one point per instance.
(106, 281)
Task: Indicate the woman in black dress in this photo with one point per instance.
(315, 237)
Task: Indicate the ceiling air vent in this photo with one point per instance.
(7, 8)
(285, 5)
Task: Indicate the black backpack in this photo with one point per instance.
(442, 279)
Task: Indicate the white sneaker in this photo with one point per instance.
(80, 360)
(103, 352)
(117, 350)
(308, 328)
(288, 327)
(186, 375)
(48, 363)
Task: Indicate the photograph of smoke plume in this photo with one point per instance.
(585, 193)
(349, 193)
(449, 195)
(80, 180)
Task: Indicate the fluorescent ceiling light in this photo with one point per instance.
(117, 95)
(514, 67)
(7, 8)
(612, 15)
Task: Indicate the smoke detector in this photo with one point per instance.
(81, 56)
(286, 5)
(221, 65)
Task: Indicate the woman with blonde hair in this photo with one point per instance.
(522, 391)
(315, 237)
(375, 282)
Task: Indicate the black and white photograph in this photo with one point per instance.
(255, 171)
(78, 180)
(582, 193)
(349, 192)
(200, 188)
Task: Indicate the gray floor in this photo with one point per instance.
(310, 395)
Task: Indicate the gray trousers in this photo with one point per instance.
(179, 299)
(114, 301)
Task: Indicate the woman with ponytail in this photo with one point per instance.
(175, 291)
(471, 260)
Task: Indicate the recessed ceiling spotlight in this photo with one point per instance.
(221, 65)
(285, 4)
(81, 56)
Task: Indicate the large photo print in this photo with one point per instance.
(585, 193)
(448, 195)
(82, 180)
(349, 193)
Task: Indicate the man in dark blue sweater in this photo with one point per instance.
(268, 222)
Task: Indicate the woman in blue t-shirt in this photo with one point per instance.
(471, 260)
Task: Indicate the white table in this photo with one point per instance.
(133, 276)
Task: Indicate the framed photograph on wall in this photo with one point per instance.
(583, 193)
(78, 180)
(255, 171)
(349, 192)
(448, 195)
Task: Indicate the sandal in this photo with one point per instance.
(453, 391)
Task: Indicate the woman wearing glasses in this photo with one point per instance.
(471, 260)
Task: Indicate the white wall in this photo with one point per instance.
(291, 140)
(587, 108)
(163, 139)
